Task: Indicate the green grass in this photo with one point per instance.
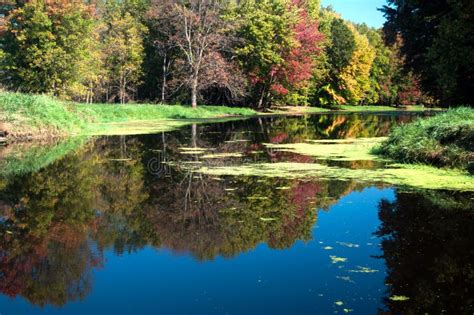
(446, 139)
(38, 116)
(119, 113)
(24, 115)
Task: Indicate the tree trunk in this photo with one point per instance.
(194, 91)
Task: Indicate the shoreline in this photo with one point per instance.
(25, 118)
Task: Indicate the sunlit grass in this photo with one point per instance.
(446, 139)
(39, 116)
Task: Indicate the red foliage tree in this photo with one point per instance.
(297, 71)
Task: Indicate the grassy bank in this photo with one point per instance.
(25, 116)
(444, 140)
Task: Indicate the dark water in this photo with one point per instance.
(121, 227)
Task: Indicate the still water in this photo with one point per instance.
(126, 225)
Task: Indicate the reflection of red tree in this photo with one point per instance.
(299, 158)
(22, 252)
(299, 62)
(279, 138)
(302, 195)
(16, 266)
(301, 198)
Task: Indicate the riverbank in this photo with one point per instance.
(445, 140)
(301, 110)
(38, 117)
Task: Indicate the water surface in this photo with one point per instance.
(125, 225)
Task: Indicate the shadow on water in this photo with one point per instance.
(120, 195)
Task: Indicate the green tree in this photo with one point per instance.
(45, 45)
(437, 44)
(338, 49)
(267, 35)
(123, 52)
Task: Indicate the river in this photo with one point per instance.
(221, 218)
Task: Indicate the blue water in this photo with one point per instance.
(101, 231)
(298, 280)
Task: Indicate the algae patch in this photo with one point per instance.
(363, 270)
(337, 150)
(134, 127)
(222, 155)
(335, 259)
(399, 298)
(419, 176)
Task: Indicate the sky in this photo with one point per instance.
(359, 11)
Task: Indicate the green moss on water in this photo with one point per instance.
(133, 127)
(363, 270)
(399, 298)
(339, 150)
(419, 176)
(223, 155)
(335, 259)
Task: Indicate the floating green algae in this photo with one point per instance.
(193, 150)
(399, 298)
(337, 150)
(335, 259)
(361, 269)
(223, 155)
(134, 127)
(419, 176)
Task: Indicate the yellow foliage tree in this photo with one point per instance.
(355, 77)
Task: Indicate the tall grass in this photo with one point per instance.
(36, 116)
(28, 114)
(120, 113)
(446, 139)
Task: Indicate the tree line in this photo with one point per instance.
(249, 53)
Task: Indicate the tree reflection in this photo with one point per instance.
(429, 252)
(44, 251)
(55, 224)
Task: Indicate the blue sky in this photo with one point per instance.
(359, 11)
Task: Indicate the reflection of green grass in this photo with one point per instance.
(444, 140)
(26, 160)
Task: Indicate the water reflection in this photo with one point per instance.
(429, 252)
(57, 223)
